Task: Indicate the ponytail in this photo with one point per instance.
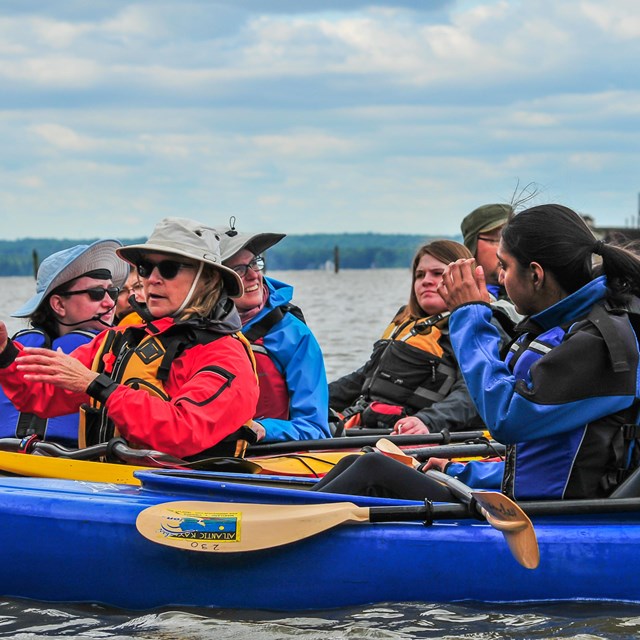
(559, 240)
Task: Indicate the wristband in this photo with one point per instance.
(8, 354)
(101, 388)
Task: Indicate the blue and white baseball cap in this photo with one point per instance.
(69, 264)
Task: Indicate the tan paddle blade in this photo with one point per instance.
(506, 516)
(227, 527)
(498, 510)
(390, 449)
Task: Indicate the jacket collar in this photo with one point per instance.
(573, 307)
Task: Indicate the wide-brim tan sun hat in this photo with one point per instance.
(232, 241)
(189, 239)
(69, 264)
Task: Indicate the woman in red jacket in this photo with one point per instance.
(183, 383)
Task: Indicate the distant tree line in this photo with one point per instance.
(295, 252)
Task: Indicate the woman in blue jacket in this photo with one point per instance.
(565, 399)
(293, 403)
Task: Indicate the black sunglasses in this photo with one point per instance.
(95, 293)
(168, 269)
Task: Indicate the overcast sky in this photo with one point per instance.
(307, 116)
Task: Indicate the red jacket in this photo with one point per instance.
(212, 388)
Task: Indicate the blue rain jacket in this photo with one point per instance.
(297, 355)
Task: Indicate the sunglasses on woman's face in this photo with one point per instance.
(95, 293)
(168, 269)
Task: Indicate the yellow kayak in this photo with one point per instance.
(313, 464)
(302, 464)
(24, 464)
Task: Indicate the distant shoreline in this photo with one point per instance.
(294, 253)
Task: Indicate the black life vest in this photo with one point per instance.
(411, 367)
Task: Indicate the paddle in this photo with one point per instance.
(412, 457)
(357, 442)
(227, 527)
(449, 451)
(520, 537)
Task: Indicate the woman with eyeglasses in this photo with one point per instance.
(76, 290)
(293, 403)
(131, 293)
(183, 383)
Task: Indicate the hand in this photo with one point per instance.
(410, 426)
(258, 429)
(56, 368)
(435, 463)
(4, 336)
(462, 282)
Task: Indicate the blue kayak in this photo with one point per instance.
(75, 541)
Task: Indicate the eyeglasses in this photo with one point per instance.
(132, 289)
(95, 293)
(257, 264)
(168, 269)
(489, 239)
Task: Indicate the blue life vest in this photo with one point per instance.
(593, 458)
(62, 429)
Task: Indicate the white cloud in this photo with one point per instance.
(30, 182)
(56, 72)
(62, 138)
(308, 144)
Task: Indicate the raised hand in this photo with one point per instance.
(462, 282)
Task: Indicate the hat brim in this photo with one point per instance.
(493, 226)
(99, 255)
(232, 281)
(257, 243)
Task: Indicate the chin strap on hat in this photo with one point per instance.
(191, 290)
(96, 318)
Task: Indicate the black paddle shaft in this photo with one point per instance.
(430, 512)
(357, 442)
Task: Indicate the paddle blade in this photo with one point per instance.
(506, 516)
(227, 527)
(391, 450)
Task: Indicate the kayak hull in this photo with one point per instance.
(73, 541)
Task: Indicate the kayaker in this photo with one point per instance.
(293, 383)
(411, 383)
(76, 290)
(132, 292)
(481, 231)
(184, 383)
(565, 399)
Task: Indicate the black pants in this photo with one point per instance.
(374, 474)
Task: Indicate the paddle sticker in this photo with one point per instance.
(194, 525)
(191, 529)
